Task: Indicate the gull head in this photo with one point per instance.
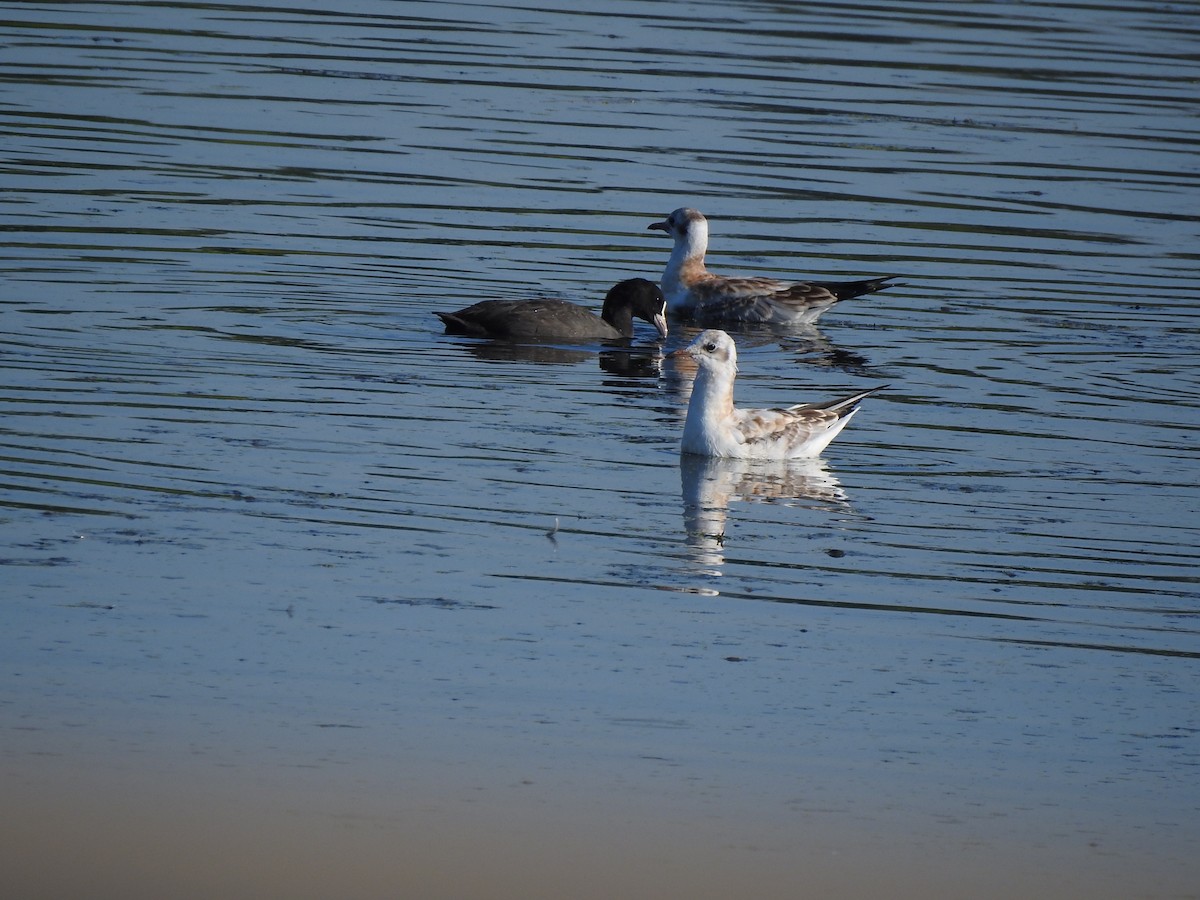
(713, 350)
(686, 225)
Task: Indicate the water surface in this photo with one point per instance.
(294, 582)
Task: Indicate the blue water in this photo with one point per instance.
(295, 581)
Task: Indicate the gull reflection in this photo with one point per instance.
(710, 484)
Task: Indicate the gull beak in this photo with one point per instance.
(660, 322)
(664, 225)
(682, 351)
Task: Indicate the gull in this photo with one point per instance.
(693, 292)
(715, 427)
(551, 319)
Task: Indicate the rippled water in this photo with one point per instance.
(295, 582)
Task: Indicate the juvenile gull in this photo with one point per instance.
(715, 427)
(693, 292)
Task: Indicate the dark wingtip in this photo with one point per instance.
(848, 290)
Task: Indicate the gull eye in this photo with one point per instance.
(710, 347)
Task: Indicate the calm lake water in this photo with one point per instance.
(303, 598)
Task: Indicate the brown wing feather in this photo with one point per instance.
(770, 425)
(756, 299)
(796, 423)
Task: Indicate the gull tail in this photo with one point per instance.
(845, 407)
(844, 290)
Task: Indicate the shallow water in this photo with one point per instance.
(297, 584)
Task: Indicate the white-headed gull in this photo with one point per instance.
(715, 427)
(693, 292)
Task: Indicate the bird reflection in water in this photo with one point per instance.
(710, 484)
(614, 357)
